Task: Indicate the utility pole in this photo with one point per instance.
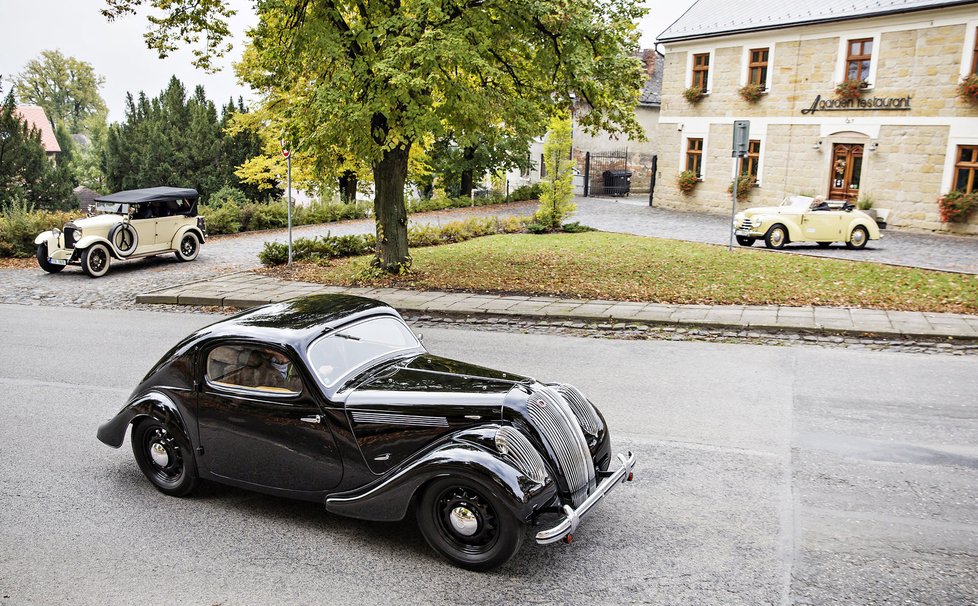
(741, 138)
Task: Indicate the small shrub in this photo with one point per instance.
(687, 181)
(325, 212)
(968, 89)
(224, 219)
(693, 94)
(956, 206)
(276, 253)
(865, 202)
(751, 92)
(576, 228)
(744, 186)
(227, 195)
(537, 228)
(20, 224)
(269, 216)
(848, 90)
(527, 192)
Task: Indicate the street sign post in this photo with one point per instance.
(288, 199)
(741, 141)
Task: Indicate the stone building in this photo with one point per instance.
(904, 140)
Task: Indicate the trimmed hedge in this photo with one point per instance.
(20, 224)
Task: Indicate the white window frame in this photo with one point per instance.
(967, 53)
(703, 156)
(874, 62)
(689, 69)
(745, 63)
(951, 159)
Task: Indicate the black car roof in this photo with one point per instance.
(297, 321)
(150, 194)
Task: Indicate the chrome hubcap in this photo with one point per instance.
(858, 237)
(777, 236)
(158, 453)
(464, 521)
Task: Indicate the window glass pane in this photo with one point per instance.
(252, 368)
(337, 354)
(851, 74)
(853, 48)
(865, 70)
(961, 181)
(857, 165)
(868, 47)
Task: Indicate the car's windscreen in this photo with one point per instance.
(799, 202)
(109, 207)
(335, 355)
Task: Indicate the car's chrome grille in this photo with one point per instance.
(583, 409)
(523, 454)
(746, 224)
(555, 420)
(69, 234)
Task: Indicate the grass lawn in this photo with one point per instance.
(600, 265)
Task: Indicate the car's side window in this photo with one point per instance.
(252, 367)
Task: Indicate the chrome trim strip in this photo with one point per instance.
(382, 418)
(367, 397)
(573, 516)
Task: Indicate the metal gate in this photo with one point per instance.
(604, 173)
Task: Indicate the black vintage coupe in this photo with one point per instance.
(333, 399)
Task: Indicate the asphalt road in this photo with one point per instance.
(766, 475)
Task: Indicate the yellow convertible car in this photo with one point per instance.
(804, 219)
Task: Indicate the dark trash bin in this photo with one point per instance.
(617, 182)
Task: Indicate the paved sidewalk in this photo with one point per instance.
(247, 289)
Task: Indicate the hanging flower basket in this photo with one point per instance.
(957, 206)
(751, 93)
(693, 94)
(968, 89)
(687, 181)
(848, 90)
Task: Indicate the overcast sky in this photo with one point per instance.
(117, 50)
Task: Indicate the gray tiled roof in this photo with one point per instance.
(651, 92)
(708, 18)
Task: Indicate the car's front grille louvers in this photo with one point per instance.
(552, 416)
(522, 453)
(583, 409)
(69, 236)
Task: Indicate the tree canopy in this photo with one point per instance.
(67, 89)
(371, 79)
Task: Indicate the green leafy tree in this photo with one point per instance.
(557, 195)
(67, 89)
(373, 79)
(25, 172)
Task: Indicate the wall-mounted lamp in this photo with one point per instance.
(873, 146)
(818, 145)
(680, 127)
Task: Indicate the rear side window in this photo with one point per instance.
(251, 367)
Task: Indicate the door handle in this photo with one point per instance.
(312, 419)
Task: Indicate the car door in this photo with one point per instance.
(260, 425)
(821, 225)
(146, 234)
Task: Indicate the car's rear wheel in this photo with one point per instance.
(189, 248)
(776, 237)
(168, 465)
(95, 260)
(824, 244)
(42, 260)
(466, 523)
(746, 240)
(858, 238)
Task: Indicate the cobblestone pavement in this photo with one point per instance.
(634, 216)
(220, 255)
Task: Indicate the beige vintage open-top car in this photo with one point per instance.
(126, 225)
(804, 219)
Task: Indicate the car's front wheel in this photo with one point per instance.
(746, 240)
(776, 237)
(168, 465)
(858, 238)
(464, 522)
(95, 260)
(42, 260)
(189, 248)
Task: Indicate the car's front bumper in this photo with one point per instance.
(572, 517)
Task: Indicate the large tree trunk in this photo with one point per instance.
(468, 154)
(391, 215)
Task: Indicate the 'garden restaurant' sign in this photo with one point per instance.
(866, 105)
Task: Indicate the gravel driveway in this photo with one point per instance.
(634, 216)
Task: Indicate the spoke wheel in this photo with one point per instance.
(189, 248)
(95, 260)
(162, 459)
(467, 525)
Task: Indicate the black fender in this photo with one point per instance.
(154, 404)
(463, 456)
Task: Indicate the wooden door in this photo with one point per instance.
(846, 170)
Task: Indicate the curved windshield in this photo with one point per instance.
(800, 202)
(339, 353)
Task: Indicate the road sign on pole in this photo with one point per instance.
(741, 141)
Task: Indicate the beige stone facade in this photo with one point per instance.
(908, 149)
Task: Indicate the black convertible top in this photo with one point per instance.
(150, 194)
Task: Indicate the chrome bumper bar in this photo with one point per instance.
(572, 518)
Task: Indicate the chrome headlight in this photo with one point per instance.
(76, 235)
(514, 446)
(757, 222)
